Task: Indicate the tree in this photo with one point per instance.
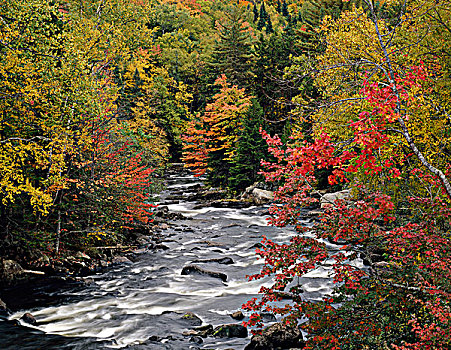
(222, 122)
(375, 87)
(232, 53)
(250, 149)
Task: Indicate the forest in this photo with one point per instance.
(303, 97)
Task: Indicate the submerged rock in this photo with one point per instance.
(277, 336)
(230, 331)
(225, 260)
(193, 270)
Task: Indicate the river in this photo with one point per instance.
(140, 305)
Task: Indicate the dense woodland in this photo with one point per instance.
(96, 97)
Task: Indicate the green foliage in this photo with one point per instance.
(250, 150)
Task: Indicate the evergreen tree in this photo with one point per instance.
(255, 11)
(232, 53)
(263, 17)
(284, 9)
(269, 28)
(251, 149)
(278, 7)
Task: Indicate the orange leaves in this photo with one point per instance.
(218, 129)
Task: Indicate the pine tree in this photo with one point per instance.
(279, 6)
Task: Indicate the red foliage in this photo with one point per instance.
(401, 302)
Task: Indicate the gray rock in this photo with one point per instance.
(193, 270)
(230, 331)
(257, 195)
(277, 336)
(328, 199)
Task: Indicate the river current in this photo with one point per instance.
(140, 305)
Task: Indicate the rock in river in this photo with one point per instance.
(277, 336)
(196, 270)
(230, 331)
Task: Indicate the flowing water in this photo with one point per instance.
(140, 305)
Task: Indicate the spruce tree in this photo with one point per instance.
(255, 11)
(232, 53)
(251, 149)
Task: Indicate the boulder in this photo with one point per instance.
(328, 199)
(192, 319)
(257, 195)
(29, 318)
(196, 270)
(10, 271)
(277, 336)
(230, 331)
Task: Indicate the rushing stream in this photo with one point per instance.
(140, 305)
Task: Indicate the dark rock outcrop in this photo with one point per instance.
(193, 270)
(277, 336)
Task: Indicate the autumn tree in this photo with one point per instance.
(382, 96)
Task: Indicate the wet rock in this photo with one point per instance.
(161, 246)
(225, 261)
(4, 311)
(193, 270)
(29, 318)
(277, 336)
(196, 339)
(230, 331)
(238, 315)
(201, 331)
(192, 319)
